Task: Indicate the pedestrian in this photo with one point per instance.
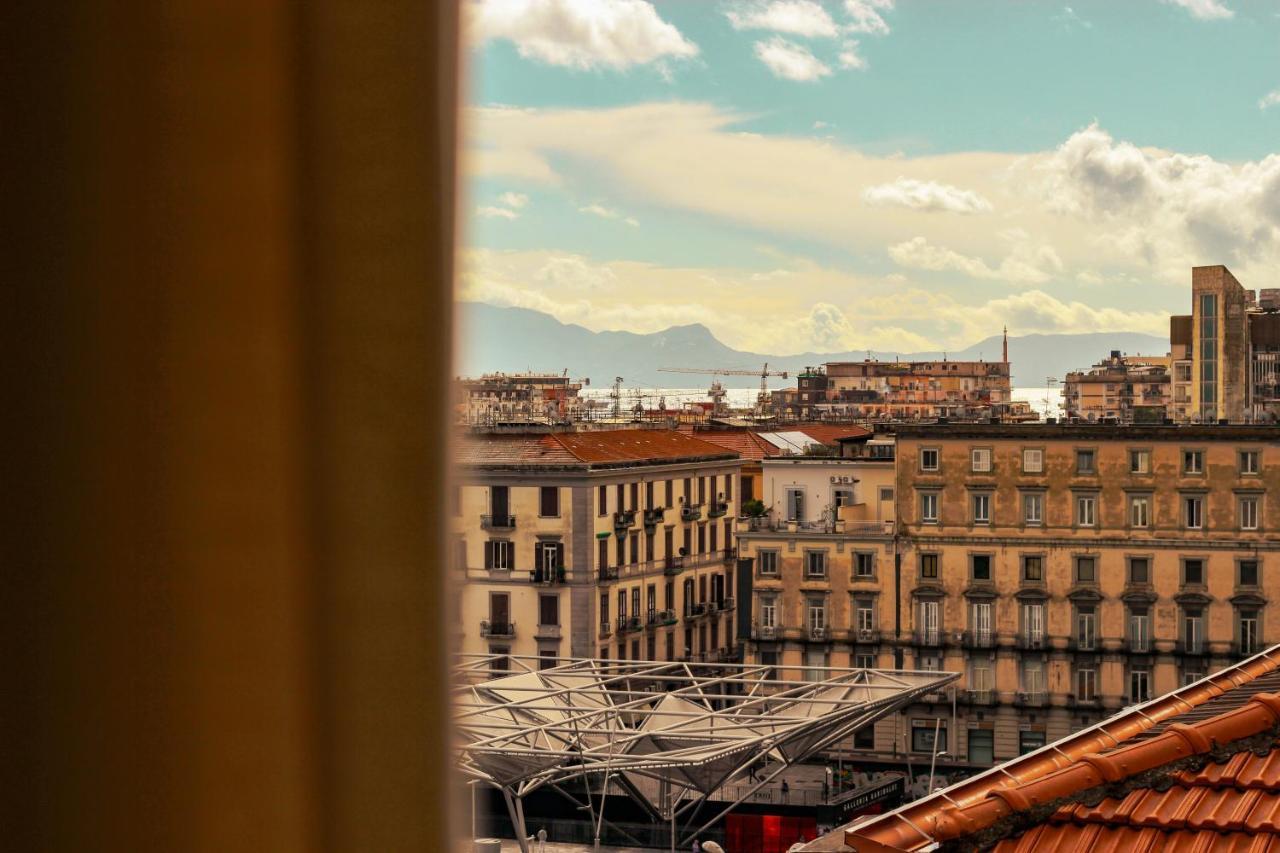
(786, 790)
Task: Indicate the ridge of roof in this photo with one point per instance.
(911, 827)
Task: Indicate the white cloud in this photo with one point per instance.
(1028, 264)
(513, 200)
(795, 17)
(866, 16)
(849, 56)
(1204, 10)
(1269, 100)
(819, 125)
(581, 34)
(573, 272)
(607, 213)
(790, 61)
(490, 212)
(1070, 19)
(925, 195)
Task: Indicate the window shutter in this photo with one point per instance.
(560, 555)
(488, 554)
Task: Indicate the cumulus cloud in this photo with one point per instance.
(790, 61)
(581, 34)
(867, 16)
(573, 272)
(1269, 100)
(608, 213)
(513, 200)
(1027, 264)
(1204, 10)
(491, 212)
(1036, 311)
(795, 17)
(925, 195)
(849, 56)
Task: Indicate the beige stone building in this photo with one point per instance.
(605, 543)
(1128, 388)
(1065, 570)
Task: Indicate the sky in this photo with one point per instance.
(903, 175)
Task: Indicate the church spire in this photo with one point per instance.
(1006, 345)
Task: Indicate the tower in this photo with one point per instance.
(1005, 349)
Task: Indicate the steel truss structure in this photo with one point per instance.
(669, 734)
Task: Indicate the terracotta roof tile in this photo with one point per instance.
(747, 444)
(829, 433)
(584, 449)
(1096, 838)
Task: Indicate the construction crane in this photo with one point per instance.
(763, 402)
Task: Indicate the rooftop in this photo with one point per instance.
(1195, 769)
(586, 450)
(1091, 431)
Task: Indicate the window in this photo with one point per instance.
(1033, 680)
(1032, 460)
(930, 622)
(980, 567)
(1085, 461)
(1191, 673)
(1249, 513)
(1193, 461)
(602, 500)
(1086, 570)
(1193, 632)
(841, 496)
(1193, 511)
(929, 459)
(768, 611)
(1085, 507)
(1248, 572)
(1248, 461)
(1193, 572)
(980, 623)
(728, 487)
(1086, 684)
(929, 507)
(864, 662)
(1033, 568)
(886, 494)
(1139, 570)
(864, 564)
(668, 489)
(500, 664)
(548, 501)
(1086, 628)
(815, 564)
(928, 735)
(702, 490)
(1033, 624)
(1139, 685)
(548, 610)
(981, 676)
(795, 504)
(648, 494)
(980, 459)
(603, 556)
(768, 562)
(499, 554)
(982, 509)
(604, 609)
(817, 614)
(1139, 631)
(1247, 631)
(864, 618)
(981, 747)
(929, 566)
(1139, 510)
(549, 557)
(1033, 508)
(1139, 461)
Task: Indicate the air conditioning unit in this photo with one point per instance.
(957, 638)
(766, 632)
(817, 633)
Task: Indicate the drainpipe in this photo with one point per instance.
(897, 604)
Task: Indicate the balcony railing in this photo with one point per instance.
(1087, 643)
(1075, 700)
(1032, 641)
(548, 576)
(607, 574)
(627, 624)
(1032, 698)
(1193, 647)
(983, 639)
(866, 635)
(727, 604)
(691, 512)
(764, 632)
(817, 634)
(718, 509)
(654, 516)
(490, 628)
(1139, 645)
(675, 564)
(624, 518)
(931, 637)
(667, 617)
(981, 697)
(606, 629)
(696, 610)
(497, 522)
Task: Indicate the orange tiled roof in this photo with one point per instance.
(590, 448)
(1174, 768)
(745, 443)
(830, 433)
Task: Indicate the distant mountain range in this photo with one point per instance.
(496, 338)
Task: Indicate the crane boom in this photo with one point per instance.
(720, 371)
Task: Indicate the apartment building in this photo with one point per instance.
(1128, 388)
(1067, 570)
(1230, 347)
(498, 398)
(606, 543)
(903, 390)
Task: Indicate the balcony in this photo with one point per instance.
(984, 639)
(497, 522)
(764, 632)
(1138, 645)
(817, 634)
(1032, 699)
(1032, 642)
(932, 637)
(606, 629)
(606, 574)
(497, 630)
(623, 519)
(1087, 643)
(691, 512)
(866, 635)
(673, 566)
(666, 617)
(727, 604)
(1089, 701)
(1197, 646)
(654, 516)
(630, 624)
(718, 509)
(695, 611)
(548, 576)
(980, 697)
